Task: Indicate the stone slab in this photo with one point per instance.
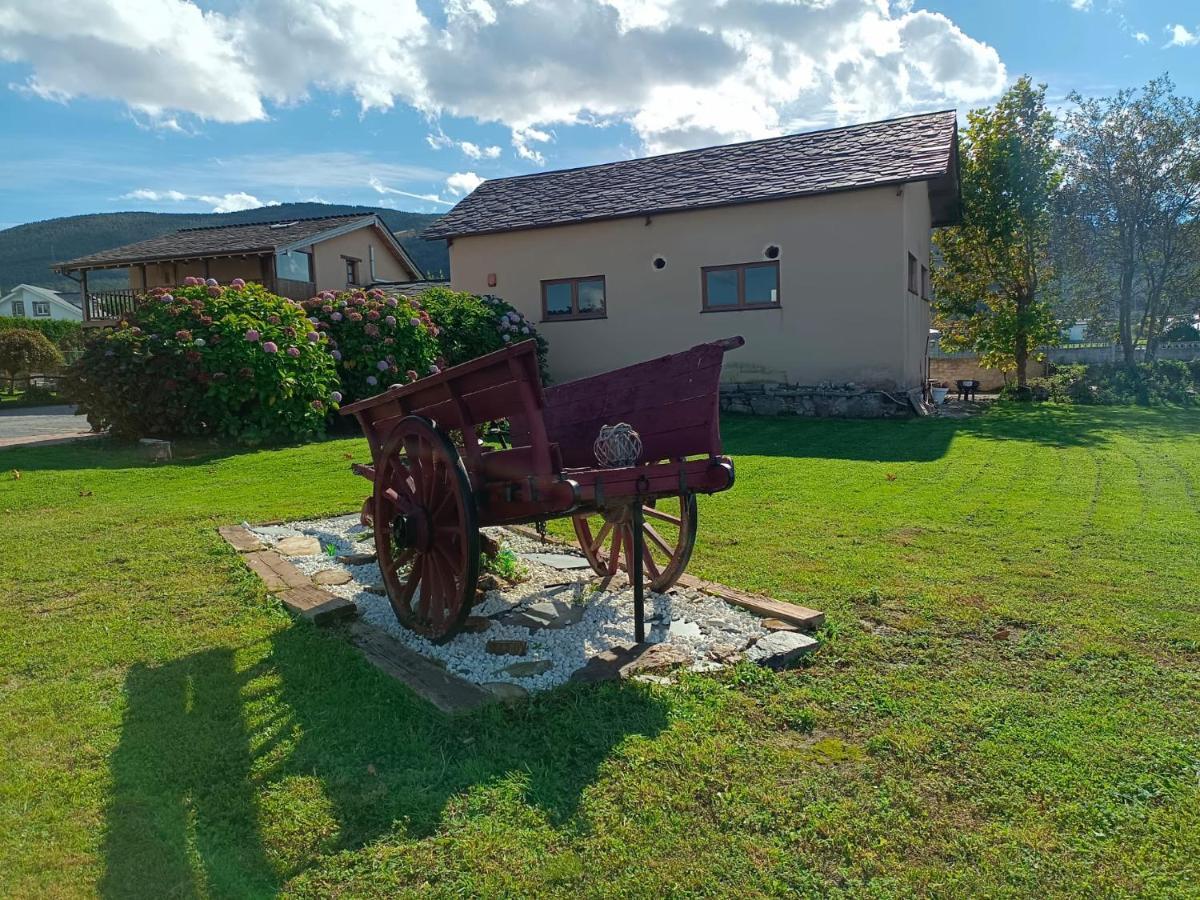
(563, 561)
(331, 576)
(298, 546)
(276, 572)
(780, 649)
(545, 614)
(241, 539)
(446, 691)
(316, 604)
(625, 662)
(356, 559)
(507, 648)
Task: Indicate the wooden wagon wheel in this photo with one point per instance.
(669, 532)
(426, 529)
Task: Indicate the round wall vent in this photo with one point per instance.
(659, 262)
(772, 252)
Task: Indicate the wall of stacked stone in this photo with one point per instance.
(819, 401)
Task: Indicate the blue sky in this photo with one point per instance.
(165, 105)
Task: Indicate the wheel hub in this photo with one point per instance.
(412, 531)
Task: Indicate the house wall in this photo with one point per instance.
(917, 316)
(57, 310)
(844, 314)
(331, 268)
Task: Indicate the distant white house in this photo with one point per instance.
(35, 302)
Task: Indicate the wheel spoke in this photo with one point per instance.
(661, 516)
(658, 541)
(614, 553)
(596, 544)
(649, 558)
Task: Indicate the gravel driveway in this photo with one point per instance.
(35, 424)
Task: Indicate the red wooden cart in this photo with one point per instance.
(436, 484)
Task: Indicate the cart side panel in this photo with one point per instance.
(672, 402)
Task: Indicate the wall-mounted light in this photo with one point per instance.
(772, 252)
(491, 279)
(659, 262)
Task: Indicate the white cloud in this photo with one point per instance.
(462, 183)
(231, 202)
(1141, 37)
(680, 72)
(1081, 5)
(1181, 37)
(439, 140)
(380, 188)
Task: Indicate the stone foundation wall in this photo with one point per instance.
(840, 402)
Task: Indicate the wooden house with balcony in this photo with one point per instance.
(295, 258)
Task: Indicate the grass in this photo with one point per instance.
(1005, 702)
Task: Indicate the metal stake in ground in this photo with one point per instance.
(635, 570)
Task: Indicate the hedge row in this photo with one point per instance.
(1165, 382)
(62, 333)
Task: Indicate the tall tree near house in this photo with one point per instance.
(1131, 198)
(990, 283)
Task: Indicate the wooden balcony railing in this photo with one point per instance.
(109, 306)
(295, 290)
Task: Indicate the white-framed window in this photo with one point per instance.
(18, 307)
(914, 275)
(41, 309)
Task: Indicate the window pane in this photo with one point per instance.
(18, 307)
(762, 284)
(722, 286)
(294, 266)
(41, 309)
(591, 297)
(558, 299)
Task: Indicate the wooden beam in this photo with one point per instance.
(83, 295)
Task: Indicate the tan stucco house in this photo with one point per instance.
(814, 247)
(295, 258)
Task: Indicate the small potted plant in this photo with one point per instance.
(938, 391)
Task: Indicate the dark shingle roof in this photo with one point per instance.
(408, 288)
(916, 148)
(260, 237)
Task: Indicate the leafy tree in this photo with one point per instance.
(995, 266)
(24, 350)
(1130, 204)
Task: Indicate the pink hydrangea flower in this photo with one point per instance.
(274, 320)
(412, 375)
(293, 351)
(251, 335)
(313, 336)
(191, 280)
(373, 314)
(317, 404)
(390, 320)
(211, 282)
(168, 298)
(414, 322)
(433, 369)
(392, 301)
(337, 316)
(183, 335)
(214, 292)
(336, 396)
(270, 347)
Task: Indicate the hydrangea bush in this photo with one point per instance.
(471, 325)
(375, 339)
(205, 359)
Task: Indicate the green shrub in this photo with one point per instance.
(376, 340)
(1166, 382)
(37, 394)
(25, 350)
(201, 359)
(470, 325)
(62, 333)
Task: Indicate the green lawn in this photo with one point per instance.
(1007, 701)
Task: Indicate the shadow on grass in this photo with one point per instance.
(926, 440)
(203, 742)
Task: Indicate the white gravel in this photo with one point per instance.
(689, 619)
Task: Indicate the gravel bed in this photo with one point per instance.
(691, 620)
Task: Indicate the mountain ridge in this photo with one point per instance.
(28, 251)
